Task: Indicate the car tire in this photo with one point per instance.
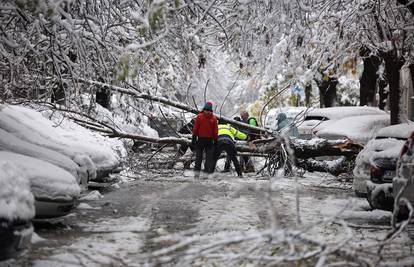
(14, 237)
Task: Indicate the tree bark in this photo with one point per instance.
(393, 66)
(406, 3)
(308, 94)
(368, 80)
(334, 167)
(327, 92)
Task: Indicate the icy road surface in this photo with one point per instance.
(119, 228)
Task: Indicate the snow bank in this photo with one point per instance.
(360, 129)
(76, 142)
(46, 180)
(16, 200)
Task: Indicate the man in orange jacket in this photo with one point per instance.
(205, 134)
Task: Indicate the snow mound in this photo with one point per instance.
(46, 180)
(16, 200)
(357, 128)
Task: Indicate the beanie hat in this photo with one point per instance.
(208, 106)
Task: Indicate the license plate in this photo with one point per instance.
(389, 175)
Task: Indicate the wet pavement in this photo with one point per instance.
(120, 228)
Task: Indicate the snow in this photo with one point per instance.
(114, 241)
(291, 113)
(69, 139)
(16, 199)
(375, 148)
(37, 239)
(46, 180)
(93, 195)
(85, 206)
(402, 130)
(312, 124)
(356, 128)
(10, 142)
(385, 145)
(335, 113)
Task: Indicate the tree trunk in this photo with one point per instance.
(327, 92)
(368, 80)
(406, 3)
(308, 94)
(334, 167)
(383, 95)
(103, 97)
(393, 66)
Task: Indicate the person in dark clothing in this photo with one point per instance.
(205, 134)
(182, 149)
(228, 160)
(245, 161)
(226, 139)
(186, 129)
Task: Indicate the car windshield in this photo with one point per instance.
(317, 118)
(386, 137)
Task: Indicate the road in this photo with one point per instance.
(121, 228)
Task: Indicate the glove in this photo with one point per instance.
(194, 140)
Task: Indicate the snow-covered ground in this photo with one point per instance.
(216, 221)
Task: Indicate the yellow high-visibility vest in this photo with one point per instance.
(226, 129)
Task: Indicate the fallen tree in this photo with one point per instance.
(270, 143)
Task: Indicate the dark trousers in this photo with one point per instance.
(204, 144)
(230, 148)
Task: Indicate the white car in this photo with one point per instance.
(90, 152)
(317, 117)
(380, 151)
(55, 190)
(359, 129)
(295, 114)
(16, 211)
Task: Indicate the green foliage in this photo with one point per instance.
(122, 68)
(156, 19)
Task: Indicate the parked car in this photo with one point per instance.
(94, 157)
(16, 211)
(377, 161)
(55, 190)
(403, 184)
(359, 129)
(294, 114)
(317, 117)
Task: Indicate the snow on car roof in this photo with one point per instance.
(46, 180)
(342, 112)
(356, 128)
(69, 139)
(402, 131)
(16, 199)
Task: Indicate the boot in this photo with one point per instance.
(249, 168)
